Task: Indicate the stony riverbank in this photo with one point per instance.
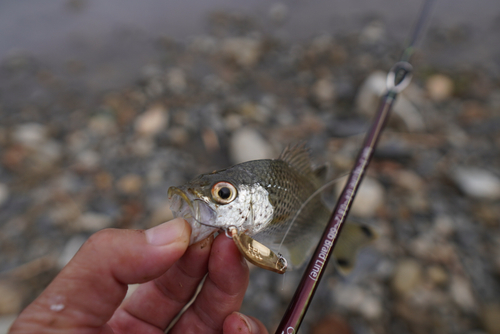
(73, 162)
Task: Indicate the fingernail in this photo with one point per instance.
(251, 325)
(167, 233)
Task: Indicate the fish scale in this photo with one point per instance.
(273, 201)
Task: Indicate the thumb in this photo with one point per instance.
(88, 290)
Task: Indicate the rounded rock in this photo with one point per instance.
(439, 87)
(130, 184)
(476, 182)
(491, 318)
(244, 51)
(152, 121)
(12, 298)
(247, 144)
(407, 276)
(370, 197)
(4, 193)
(30, 134)
(92, 222)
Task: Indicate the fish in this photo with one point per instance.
(272, 208)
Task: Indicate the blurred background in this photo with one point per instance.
(105, 104)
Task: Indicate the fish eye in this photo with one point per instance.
(224, 192)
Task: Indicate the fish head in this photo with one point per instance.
(215, 201)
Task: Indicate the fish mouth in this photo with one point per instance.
(195, 211)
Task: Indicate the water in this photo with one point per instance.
(114, 39)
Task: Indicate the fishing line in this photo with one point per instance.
(317, 192)
(399, 77)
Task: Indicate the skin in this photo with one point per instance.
(87, 295)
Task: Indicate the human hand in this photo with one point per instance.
(86, 297)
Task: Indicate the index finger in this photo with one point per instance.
(222, 293)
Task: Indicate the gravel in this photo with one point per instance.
(73, 161)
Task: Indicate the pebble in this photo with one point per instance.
(92, 222)
(255, 112)
(70, 249)
(65, 213)
(373, 33)
(245, 51)
(247, 144)
(30, 134)
(407, 276)
(176, 80)
(408, 180)
(4, 193)
(476, 182)
(47, 154)
(370, 197)
(331, 324)
(439, 87)
(437, 275)
(131, 289)
(444, 225)
(204, 44)
(12, 298)
(462, 294)
(160, 215)
(143, 146)
(368, 98)
(491, 318)
(130, 184)
(210, 140)
(324, 92)
(179, 136)
(358, 300)
(152, 121)
(5, 322)
(103, 125)
(87, 160)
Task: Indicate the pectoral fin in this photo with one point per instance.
(351, 239)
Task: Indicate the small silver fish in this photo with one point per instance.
(271, 204)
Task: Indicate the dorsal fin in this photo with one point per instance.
(297, 156)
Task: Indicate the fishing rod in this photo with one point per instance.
(398, 79)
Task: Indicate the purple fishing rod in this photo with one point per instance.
(398, 78)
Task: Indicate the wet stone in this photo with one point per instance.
(244, 51)
(477, 183)
(12, 298)
(437, 275)
(462, 294)
(358, 300)
(70, 249)
(491, 318)
(4, 193)
(30, 134)
(6, 322)
(370, 197)
(331, 324)
(407, 276)
(176, 80)
(87, 160)
(92, 222)
(247, 144)
(152, 121)
(324, 92)
(439, 87)
(160, 215)
(130, 184)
